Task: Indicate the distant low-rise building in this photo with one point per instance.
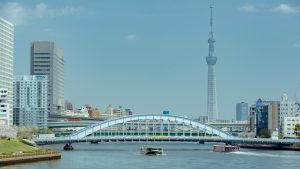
(118, 112)
(94, 113)
(69, 106)
(288, 126)
(203, 119)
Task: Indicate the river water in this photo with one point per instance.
(177, 156)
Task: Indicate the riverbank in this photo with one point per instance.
(15, 151)
(26, 158)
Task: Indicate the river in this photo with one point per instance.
(177, 156)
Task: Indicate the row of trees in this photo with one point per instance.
(20, 132)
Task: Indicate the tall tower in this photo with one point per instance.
(211, 60)
(48, 59)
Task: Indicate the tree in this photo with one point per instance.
(297, 130)
(264, 133)
(26, 132)
(7, 132)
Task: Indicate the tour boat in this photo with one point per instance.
(152, 150)
(226, 148)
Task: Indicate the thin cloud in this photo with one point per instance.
(131, 37)
(248, 8)
(286, 8)
(42, 10)
(18, 14)
(14, 12)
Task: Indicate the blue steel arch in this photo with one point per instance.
(104, 124)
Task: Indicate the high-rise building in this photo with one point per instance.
(262, 116)
(266, 116)
(6, 70)
(211, 60)
(48, 59)
(30, 101)
(242, 111)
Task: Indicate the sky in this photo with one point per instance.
(149, 56)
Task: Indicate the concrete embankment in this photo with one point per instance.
(25, 158)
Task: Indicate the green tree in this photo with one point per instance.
(297, 129)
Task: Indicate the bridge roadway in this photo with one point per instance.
(231, 141)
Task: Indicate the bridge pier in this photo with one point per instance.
(68, 147)
(94, 142)
(201, 142)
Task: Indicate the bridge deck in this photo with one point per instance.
(170, 139)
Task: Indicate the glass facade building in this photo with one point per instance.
(242, 111)
(262, 118)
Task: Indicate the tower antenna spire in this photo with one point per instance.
(211, 16)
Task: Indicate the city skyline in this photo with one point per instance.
(156, 61)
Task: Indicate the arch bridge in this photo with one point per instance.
(141, 128)
(148, 125)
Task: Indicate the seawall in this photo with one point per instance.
(26, 158)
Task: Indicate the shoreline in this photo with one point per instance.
(27, 158)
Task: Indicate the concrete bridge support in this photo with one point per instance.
(68, 147)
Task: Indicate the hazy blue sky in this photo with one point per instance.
(150, 55)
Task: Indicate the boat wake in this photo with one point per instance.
(263, 154)
(139, 153)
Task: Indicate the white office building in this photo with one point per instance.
(288, 126)
(31, 101)
(286, 109)
(6, 67)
